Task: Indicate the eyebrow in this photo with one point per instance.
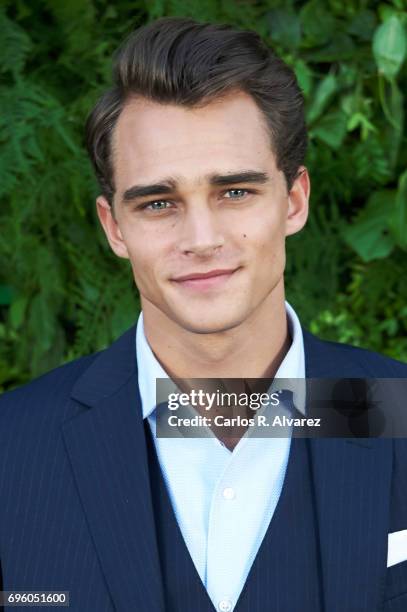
(169, 185)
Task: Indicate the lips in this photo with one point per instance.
(205, 281)
(202, 275)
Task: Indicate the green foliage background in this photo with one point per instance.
(63, 294)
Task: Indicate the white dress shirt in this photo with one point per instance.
(223, 500)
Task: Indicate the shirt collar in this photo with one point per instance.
(292, 368)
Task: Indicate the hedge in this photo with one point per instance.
(63, 294)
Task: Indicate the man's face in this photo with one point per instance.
(233, 229)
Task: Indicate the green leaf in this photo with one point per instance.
(369, 161)
(42, 321)
(369, 234)
(389, 46)
(398, 221)
(304, 76)
(318, 24)
(362, 25)
(285, 28)
(323, 95)
(339, 47)
(6, 295)
(17, 311)
(391, 101)
(331, 129)
(124, 314)
(396, 105)
(348, 75)
(358, 120)
(15, 45)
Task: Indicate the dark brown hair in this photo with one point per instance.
(181, 61)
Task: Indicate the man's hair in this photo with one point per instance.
(181, 61)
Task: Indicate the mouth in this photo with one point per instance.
(205, 280)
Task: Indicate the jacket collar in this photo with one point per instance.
(107, 450)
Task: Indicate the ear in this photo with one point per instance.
(298, 198)
(111, 227)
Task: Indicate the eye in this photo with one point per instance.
(156, 206)
(238, 193)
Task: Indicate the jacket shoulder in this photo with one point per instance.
(49, 391)
(369, 363)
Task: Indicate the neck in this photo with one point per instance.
(253, 349)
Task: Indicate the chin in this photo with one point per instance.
(210, 324)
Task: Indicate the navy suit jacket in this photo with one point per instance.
(75, 504)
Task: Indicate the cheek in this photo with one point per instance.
(149, 256)
(266, 240)
(143, 260)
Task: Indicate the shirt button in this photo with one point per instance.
(228, 493)
(225, 605)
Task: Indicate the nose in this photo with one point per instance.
(201, 233)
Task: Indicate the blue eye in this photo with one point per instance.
(162, 205)
(245, 191)
(156, 205)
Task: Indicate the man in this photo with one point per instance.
(199, 151)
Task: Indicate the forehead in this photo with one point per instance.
(153, 139)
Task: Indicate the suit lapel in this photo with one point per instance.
(352, 492)
(107, 450)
